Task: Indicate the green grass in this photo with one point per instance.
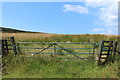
(72, 38)
(29, 67)
(62, 38)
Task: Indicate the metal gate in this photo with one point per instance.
(58, 49)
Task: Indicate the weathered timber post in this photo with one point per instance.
(14, 45)
(4, 50)
(118, 44)
(6, 47)
(1, 47)
(115, 48)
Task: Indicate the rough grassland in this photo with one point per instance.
(37, 37)
(30, 67)
(23, 66)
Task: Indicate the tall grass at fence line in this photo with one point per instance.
(35, 37)
(30, 67)
(24, 67)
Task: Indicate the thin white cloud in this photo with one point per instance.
(107, 14)
(98, 29)
(105, 30)
(76, 8)
(99, 3)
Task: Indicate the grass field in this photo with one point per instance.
(30, 67)
(37, 37)
(24, 66)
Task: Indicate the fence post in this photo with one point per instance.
(114, 48)
(1, 47)
(14, 45)
(6, 45)
(118, 45)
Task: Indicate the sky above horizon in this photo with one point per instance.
(62, 17)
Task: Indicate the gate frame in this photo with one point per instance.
(54, 44)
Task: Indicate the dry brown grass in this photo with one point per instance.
(96, 35)
(30, 36)
(25, 35)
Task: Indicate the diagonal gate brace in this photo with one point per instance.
(58, 46)
(45, 48)
(66, 50)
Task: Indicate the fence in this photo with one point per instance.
(7, 46)
(108, 50)
(69, 50)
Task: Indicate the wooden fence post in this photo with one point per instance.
(118, 44)
(0, 47)
(114, 48)
(6, 47)
(14, 45)
(4, 50)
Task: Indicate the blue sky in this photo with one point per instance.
(60, 17)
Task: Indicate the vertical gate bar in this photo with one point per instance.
(93, 49)
(54, 48)
(17, 46)
(100, 52)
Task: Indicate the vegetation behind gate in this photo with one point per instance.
(26, 67)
